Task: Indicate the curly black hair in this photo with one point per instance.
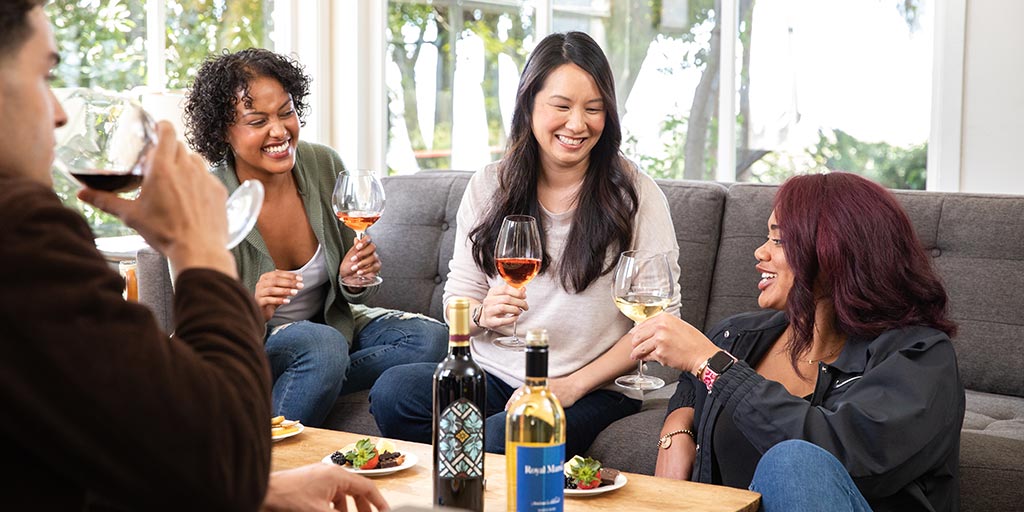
(211, 102)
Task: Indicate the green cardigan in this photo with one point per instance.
(316, 169)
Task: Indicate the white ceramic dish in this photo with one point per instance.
(410, 461)
(620, 481)
(289, 434)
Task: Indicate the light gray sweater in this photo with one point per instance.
(581, 326)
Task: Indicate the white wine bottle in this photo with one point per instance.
(535, 437)
(459, 403)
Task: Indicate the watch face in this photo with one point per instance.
(720, 362)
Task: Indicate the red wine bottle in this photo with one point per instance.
(459, 406)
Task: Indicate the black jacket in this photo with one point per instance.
(889, 408)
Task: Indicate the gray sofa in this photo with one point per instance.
(977, 242)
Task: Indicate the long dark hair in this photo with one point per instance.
(210, 106)
(606, 202)
(850, 237)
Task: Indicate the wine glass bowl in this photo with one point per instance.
(358, 202)
(642, 288)
(105, 145)
(105, 141)
(517, 255)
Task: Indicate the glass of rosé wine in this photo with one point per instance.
(518, 256)
(358, 203)
(105, 145)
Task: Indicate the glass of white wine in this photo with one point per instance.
(642, 288)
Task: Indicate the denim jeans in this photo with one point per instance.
(312, 363)
(796, 475)
(401, 402)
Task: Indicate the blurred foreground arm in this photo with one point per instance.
(321, 487)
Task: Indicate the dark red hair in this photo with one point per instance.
(849, 237)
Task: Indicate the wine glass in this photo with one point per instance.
(358, 202)
(517, 256)
(642, 289)
(106, 142)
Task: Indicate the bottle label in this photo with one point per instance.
(540, 480)
(460, 441)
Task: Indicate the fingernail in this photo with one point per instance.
(293, 292)
(287, 301)
(354, 258)
(355, 267)
(299, 285)
(298, 278)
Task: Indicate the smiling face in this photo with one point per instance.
(27, 103)
(776, 275)
(265, 132)
(568, 118)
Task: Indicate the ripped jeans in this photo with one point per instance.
(312, 363)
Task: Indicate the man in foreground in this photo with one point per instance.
(102, 408)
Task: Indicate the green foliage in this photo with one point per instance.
(891, 166)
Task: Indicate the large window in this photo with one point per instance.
(451, 76)
(816, 84)
(112, 44)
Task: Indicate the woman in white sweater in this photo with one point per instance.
(563, 167)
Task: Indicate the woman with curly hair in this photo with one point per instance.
(563, 167)
(843, 394)
(243, 115)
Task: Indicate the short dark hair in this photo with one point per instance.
(210, 107)
(14, 27)
(608, 199)
(851, 237)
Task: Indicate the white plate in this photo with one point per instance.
(619, 482)
(410, 461)
(289, 434)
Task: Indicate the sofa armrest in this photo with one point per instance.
(155, 290)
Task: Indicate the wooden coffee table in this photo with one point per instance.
(414, 486)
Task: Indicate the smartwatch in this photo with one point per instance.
(715, 367)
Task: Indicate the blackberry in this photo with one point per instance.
(569, 482)
(338, 458)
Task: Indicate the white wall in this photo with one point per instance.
(993, 103)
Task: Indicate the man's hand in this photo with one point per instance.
(321, 487)
(180, 209)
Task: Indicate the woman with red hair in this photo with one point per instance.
(843, 394)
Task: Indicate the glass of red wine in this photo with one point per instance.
(517, 255)
(106, 142)
(358, 203)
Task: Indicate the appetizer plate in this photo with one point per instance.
(620, 481)
(410, 461)
(289, 434)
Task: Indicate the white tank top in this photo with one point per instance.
(310, 299)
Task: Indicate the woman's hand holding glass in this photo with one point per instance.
(672, 342)
(361, 261)
(502, 306)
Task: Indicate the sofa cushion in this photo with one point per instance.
(415, 240)
(978, 250)
(744, 227)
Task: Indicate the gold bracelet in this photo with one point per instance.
(666, 440)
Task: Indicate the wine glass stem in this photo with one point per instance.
(639, 363)
(515, 323)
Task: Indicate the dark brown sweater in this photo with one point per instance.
(99, 405)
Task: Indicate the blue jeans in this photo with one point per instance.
(401, 402)
(796, 475)
(312, 363)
